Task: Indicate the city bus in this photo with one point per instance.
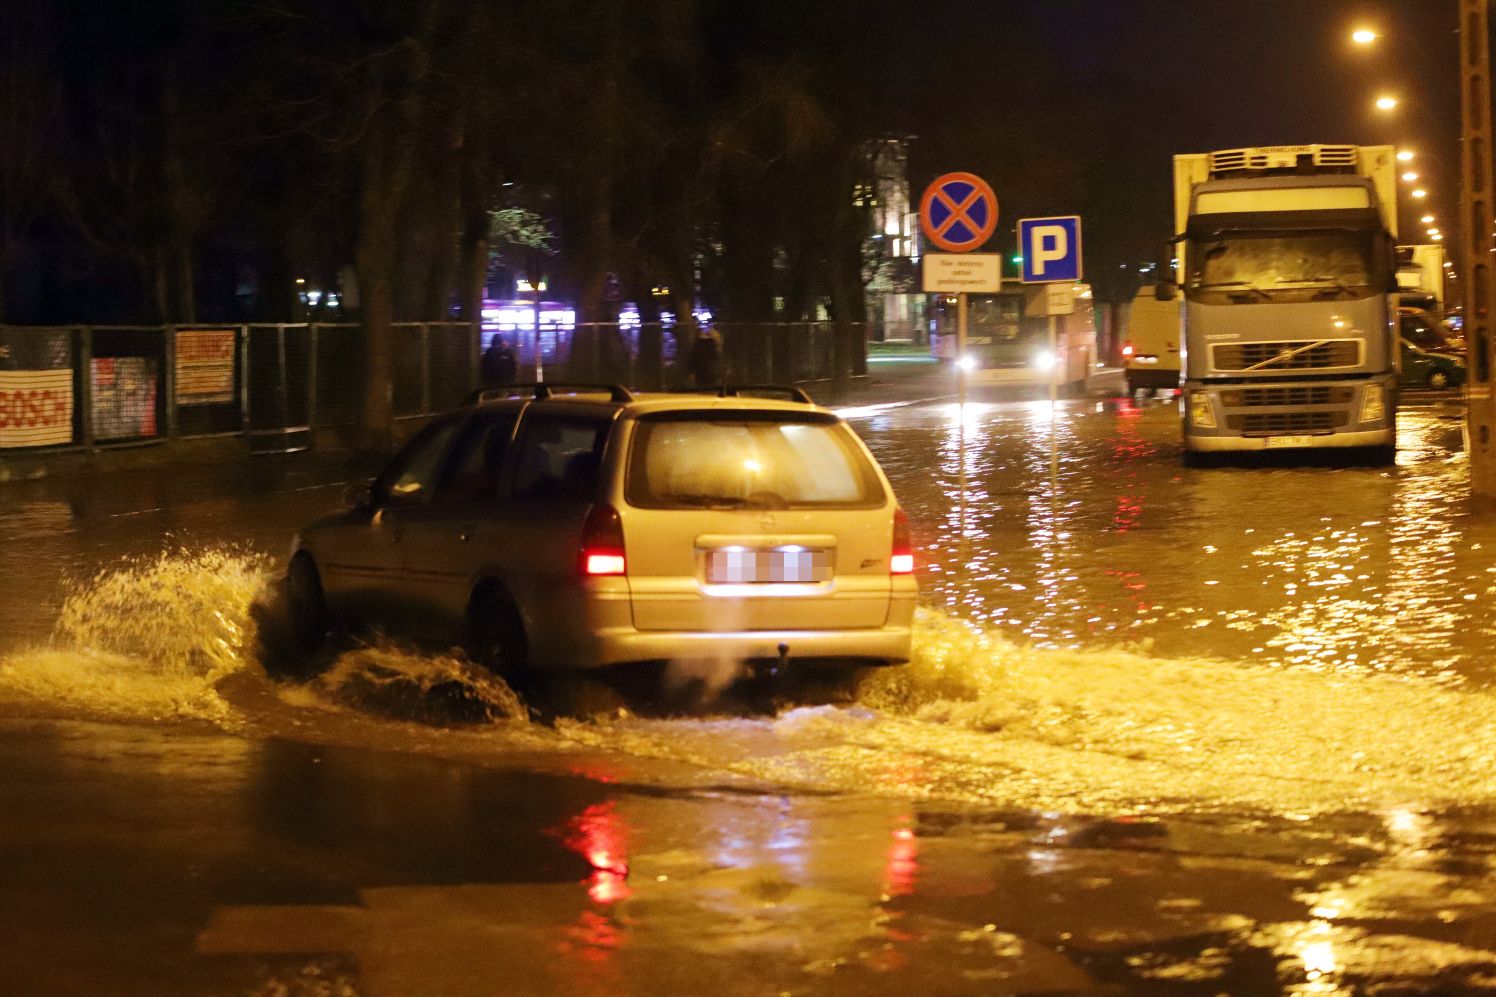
(1007, 348)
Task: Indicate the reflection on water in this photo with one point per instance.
(1335, 568)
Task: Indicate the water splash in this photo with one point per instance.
(151, 639)
(974, 717)
(184, 635)
(409, 685)
(981, 718)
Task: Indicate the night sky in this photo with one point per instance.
(1077, 105)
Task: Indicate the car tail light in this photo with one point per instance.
(1127, 349)
(602, 543)
(901, 560)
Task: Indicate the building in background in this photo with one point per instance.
(895, 306)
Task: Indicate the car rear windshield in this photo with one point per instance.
(748, 460)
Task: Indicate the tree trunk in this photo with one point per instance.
(184, 297)
(473, 270)
(587, 352)
(159, 276)
(384, 172)
(473, 245)
(398, 94)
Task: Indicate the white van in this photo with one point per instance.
(1150, 351)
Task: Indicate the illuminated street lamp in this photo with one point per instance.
(1427, 219)
(1363, 36)
(1404, 155)
(1418, 193)
(1410, 176)
(1386, 103)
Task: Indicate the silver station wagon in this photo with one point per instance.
(584, 527)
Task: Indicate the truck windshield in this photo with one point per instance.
(1265, 261)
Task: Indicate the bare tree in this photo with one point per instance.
(29, 109)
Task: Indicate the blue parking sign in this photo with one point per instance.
(1050, 249)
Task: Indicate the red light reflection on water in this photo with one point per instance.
(1128, 446)
(596, 937)
(600, 836)
(901, 866)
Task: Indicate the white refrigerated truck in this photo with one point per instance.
(1286, 260)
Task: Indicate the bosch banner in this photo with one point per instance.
(36, 407)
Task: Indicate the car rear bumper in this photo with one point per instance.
(594, 627)
(1152, 376)
(883, 645)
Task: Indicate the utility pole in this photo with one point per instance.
(1476, 240)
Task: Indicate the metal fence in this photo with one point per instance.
(86, 387)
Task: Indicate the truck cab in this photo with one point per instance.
(1288, 275)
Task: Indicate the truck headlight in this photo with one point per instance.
(1201, 414)
(1044, 360)
(1373, 402)
(967, 362)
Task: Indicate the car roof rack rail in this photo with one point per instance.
(789, 391)
(541, 390)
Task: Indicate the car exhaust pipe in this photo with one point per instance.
(761, 668)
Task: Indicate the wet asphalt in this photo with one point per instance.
(1299, 799)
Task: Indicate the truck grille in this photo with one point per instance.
(1301, 355)
(1297, 396)
(1284, 423)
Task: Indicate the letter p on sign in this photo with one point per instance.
(1051, 243)
(1051, 249)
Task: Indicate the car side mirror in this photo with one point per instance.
(359, 495)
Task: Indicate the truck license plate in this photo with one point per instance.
(1285, 442)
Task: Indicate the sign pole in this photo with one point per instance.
(539, 373)
(961, 347)
(1054, 386)
(961, 417)
(958, 214)
(1480, 274)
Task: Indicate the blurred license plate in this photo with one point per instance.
(1275, 442)
(742, 565)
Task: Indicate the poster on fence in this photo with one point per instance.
(124, 397)
(36, 407)
(205, 366)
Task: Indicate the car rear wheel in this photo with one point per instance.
(1438, 380)
(496, 636)
(306, 606)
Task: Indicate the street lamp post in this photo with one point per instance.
(1476, 241)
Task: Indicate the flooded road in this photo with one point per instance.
(1109, 540)
(1167, 731)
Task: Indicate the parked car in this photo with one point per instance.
(1426, 369)
(577, 528)
(1426, 332)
